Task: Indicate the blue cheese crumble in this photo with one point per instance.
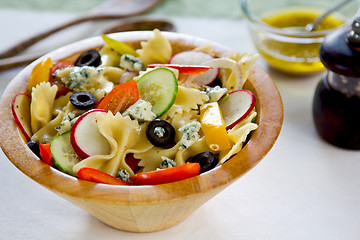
(66, 124)
(131, 63)
(166, 163)
(141, 111)
(190, 134)
(214, 93)
(123, 175)
(159, 132)
(80, 78)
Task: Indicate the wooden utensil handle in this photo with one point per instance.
(28, 42)
(17, 61)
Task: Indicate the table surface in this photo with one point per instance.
(303, 189)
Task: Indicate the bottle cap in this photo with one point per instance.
(340, 51)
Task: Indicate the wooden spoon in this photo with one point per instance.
(109, 9)
(128, 25)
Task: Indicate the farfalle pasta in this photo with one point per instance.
(155, 50)
(42, 100)
(128, 110)
(124, 136)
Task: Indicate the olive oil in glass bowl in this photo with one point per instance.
(277, 29)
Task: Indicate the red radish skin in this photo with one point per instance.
(196, 58)
(83, 133)
(189, 69)
(236, 106)
(21, 111)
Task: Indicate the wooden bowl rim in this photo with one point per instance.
(270, 118)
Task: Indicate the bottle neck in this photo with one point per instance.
(349, 86)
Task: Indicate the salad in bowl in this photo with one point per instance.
(148, 116)
(140, 129)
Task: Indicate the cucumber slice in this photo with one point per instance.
(63, 154)
(159, 87)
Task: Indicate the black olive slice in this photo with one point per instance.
(34, 147)
(82, 100)
(207, 161)
(160, 133)
(89, 58)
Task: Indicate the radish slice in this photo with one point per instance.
(21, 111)
(190, 58)
(197, 58)
(127, 76)
(230, 64)
(235, 106)
(86, 138)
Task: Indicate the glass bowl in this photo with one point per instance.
(277, 30)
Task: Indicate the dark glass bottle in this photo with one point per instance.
(336, 104)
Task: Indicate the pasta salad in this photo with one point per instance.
(125, 116)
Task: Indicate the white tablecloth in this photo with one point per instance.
(303, 189)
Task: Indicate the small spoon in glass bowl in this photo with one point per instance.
(312, 26)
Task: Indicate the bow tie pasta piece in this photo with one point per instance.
(42, 100)
(238, 136)
(184, 103)
(155, 50)
(245, 61)
(47, 132)
(124, 136)
(198, 147)
(179, 120)
(112, 74)
(60, 103)
(152, 158)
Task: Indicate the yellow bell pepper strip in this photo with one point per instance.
(40, 73)
(166, 175)
(213, 126)
(119, 47)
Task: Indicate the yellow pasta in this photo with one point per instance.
(47, 132)
(124, 136)
(198, 147)
(238, 136)
(155, 50)
(245, 62)
(151, 159)
(184, 103)
(42, 100)
(113, 74)
(109, 57)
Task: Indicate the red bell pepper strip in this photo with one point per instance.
(120, 98)
(167, 175)
(97, 176)
(189, 69)
(45, 154)
(62, 89)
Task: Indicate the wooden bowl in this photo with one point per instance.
(144, 208)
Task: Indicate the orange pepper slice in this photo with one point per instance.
(40, 73)
(97, 176)
(166, 175)
(213, 126)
